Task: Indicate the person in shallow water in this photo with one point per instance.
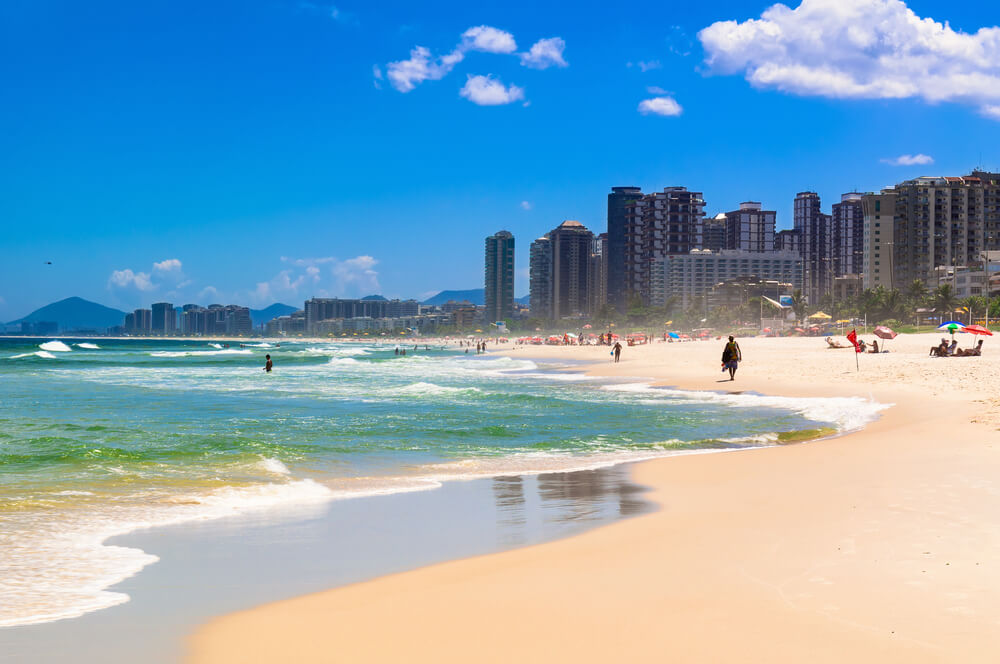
(731, 357)
(267, 364)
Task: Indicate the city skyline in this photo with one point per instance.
(233, 171)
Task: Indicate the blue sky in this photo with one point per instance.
(250, 151)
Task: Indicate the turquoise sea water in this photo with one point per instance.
(101, 437)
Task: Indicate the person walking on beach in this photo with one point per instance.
(617, 350)
(267, 364)
(731, 357)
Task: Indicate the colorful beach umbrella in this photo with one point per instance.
(949, 324)
(883, 332)
(674, 335)
(978, 329)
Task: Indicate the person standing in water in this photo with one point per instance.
(731, 358)
(267, 364)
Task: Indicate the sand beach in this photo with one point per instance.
(879, 545)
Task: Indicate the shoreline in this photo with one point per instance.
(670, 577)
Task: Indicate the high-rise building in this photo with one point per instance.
(618, 201)
(499, 276)
(560, 272)
(540, 278)
(925, 227)
(713, 233)
(817, 245)
(660, 224)
(692, 275)
(848, 227)
(788, 240)
(164, 320)
(142, 321)
(571, 248)
(750, 228)
(598, 274)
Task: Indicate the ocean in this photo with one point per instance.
(103, 437)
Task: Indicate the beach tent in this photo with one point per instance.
(819, 315)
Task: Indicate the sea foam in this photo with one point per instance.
(55, 346)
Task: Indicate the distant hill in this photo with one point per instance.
(75, 313)
(525, 300)
(261, 316)
(475, 296)
(374, 297)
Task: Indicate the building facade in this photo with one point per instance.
(665, 223)
(619, 200)
(848, 228)
(499, 268)
(690, 276)
(164, 319)
(750, 228)
(915, 228)
(817, 244)
(540, 278)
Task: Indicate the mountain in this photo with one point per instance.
(377, 298)
(261, 316)
(475, 296)
(75, 313)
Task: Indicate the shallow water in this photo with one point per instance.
(97, 442)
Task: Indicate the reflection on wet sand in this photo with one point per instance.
(558, 504)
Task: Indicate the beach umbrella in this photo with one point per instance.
(978, 329)
(952, 326)
(674, 335)
(587, 326)
(819, 315)
(883, 332)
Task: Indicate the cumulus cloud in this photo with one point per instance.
(645, 65)
(129, 279)
(526, 205)
(487, 39)
(487, 91)
(208, 293)
(909, 160)
(322, 276)
(656, 90)
(405, 75)
(660, 106)
(859, 49)
(991, 111)
(377, 77)
(170, 266)
(422, 65)
(545, 53)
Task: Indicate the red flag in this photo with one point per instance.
(853, 338)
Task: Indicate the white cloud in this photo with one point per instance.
(545, 53)
(861, 49)
(487, 91)
(660, 106)
(208, 292)
(377, 76)
(991, 111)
(129, 279)
(405, 75)
(656, 90)
(487, 39)
(356, 275)
(526, 205)
(909, 160)
(645, 66)
(169, 266)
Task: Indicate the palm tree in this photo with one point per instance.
(945, 301)
(799, 305)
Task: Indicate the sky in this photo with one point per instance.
(253, 151)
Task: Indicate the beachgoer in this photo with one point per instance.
(941, 349)
(267, 364)
(874, 346)
(617, 350)
(952, 347)
(731, 357)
